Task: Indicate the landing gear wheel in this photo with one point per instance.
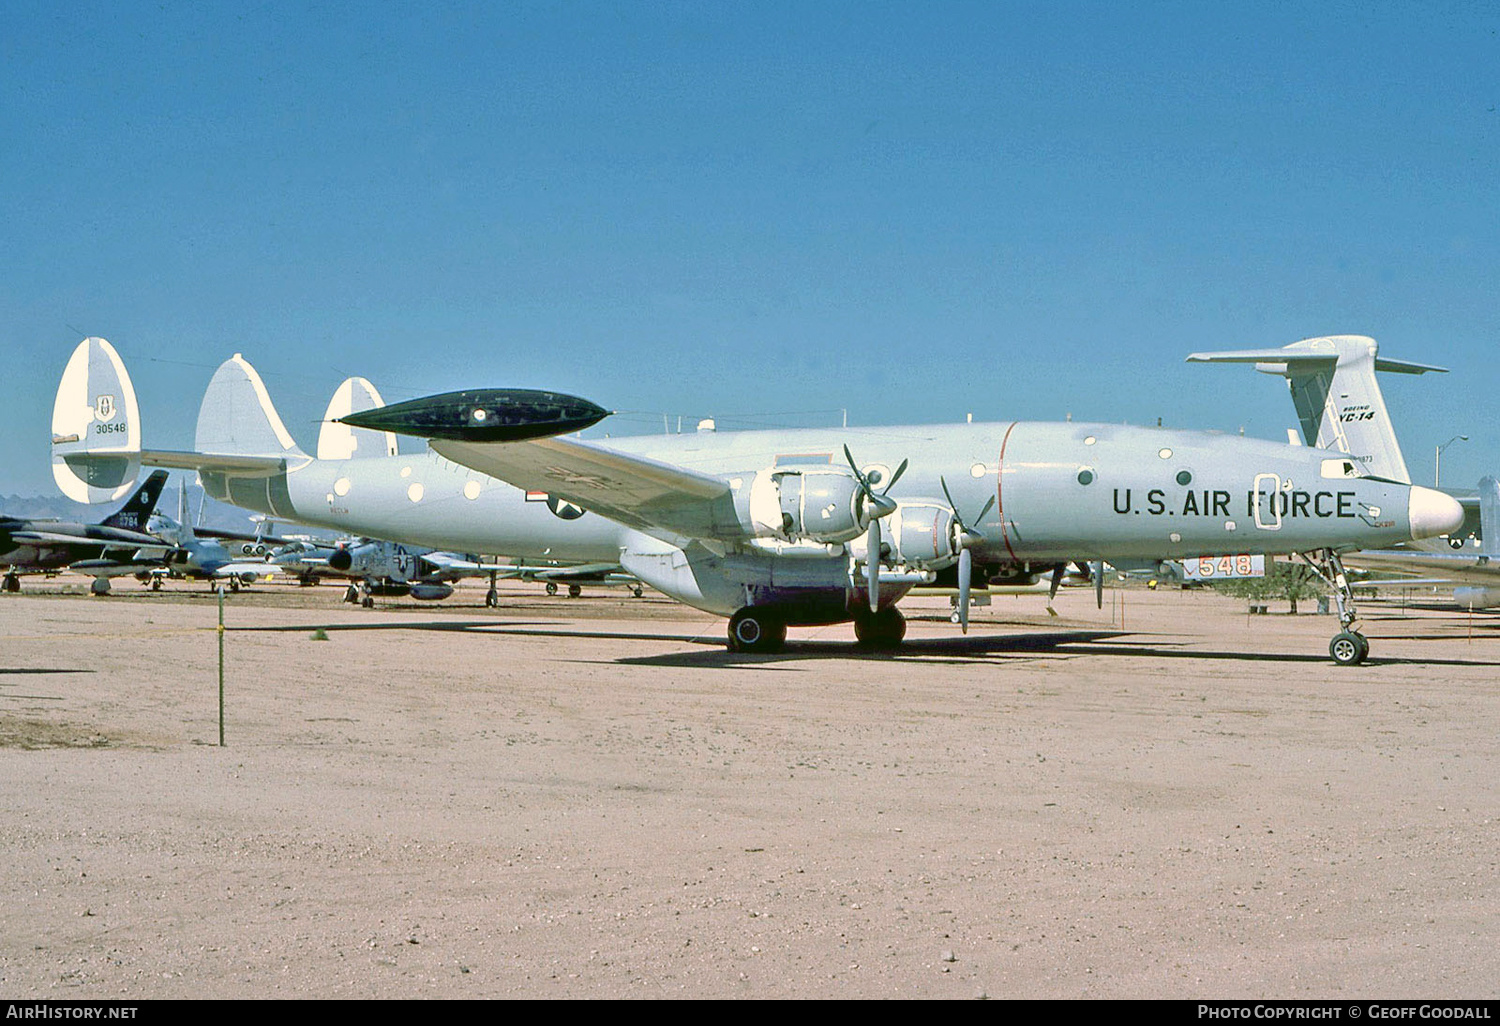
(156, 584)
(368, 602)
(574, 590)
(351, 594)
(1349, 648)
(551, 587)
(491, 598)
(12, 583)
(751, 630)
(234, 584)
(884, 629)
(637, 591)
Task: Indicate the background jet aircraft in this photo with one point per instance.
(187, 556)
(779, 528)
(48, 546)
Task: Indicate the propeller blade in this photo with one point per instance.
(872, 564)
(858, 476)
(987, 507)
(951, 504)
(1057, 576)
(895, 477)
(965, 571)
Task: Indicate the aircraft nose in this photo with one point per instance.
(1432, 512)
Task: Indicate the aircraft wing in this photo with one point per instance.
(47, 538)
(239, 569)
(1456, 566)
(636, 491)
(115, 567)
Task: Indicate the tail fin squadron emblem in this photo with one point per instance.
(104, 407)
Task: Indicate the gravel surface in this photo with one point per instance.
(592, 798)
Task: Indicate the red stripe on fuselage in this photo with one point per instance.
(999, 488)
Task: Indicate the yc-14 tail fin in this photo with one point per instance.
(1338, 400)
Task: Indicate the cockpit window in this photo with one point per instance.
(1340, 468)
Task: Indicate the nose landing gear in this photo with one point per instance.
(1348, 647)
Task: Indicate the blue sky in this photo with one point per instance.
(762, 212)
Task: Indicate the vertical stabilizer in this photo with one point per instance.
(96, 428)
(343, 441)
(237, 418)
(1338, 400)
(134, 515)
(1489, 515)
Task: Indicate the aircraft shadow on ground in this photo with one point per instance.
(43, 669)
(525, 628)
(957, 650)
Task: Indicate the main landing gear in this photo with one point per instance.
(353, 594)
(756, 630)
(1348, 647)
(880, 630)
(12, 582)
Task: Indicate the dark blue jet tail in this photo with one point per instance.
(138, 508)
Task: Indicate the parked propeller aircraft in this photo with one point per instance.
(1336, 392)
(50, 546)
(781, 528)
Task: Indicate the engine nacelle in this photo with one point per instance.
(920, 533)
(817, 504)
(1476, 598)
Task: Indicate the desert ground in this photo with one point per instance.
(592, 798)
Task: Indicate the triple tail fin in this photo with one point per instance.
(339, 441)
(96, 426)
(236, 417)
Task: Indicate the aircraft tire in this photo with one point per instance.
(12, 583)
(574, 590)
(156, 584)
(368, 602)
(754, 631)
(491, 598)
(1349, 648)
(551, 587)
(881, 630)
(351, 594)
(637, 591)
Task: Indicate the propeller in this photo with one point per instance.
(880, 505)
(963, 538)
(1058, 570)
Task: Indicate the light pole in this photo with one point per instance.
(1437, 458)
